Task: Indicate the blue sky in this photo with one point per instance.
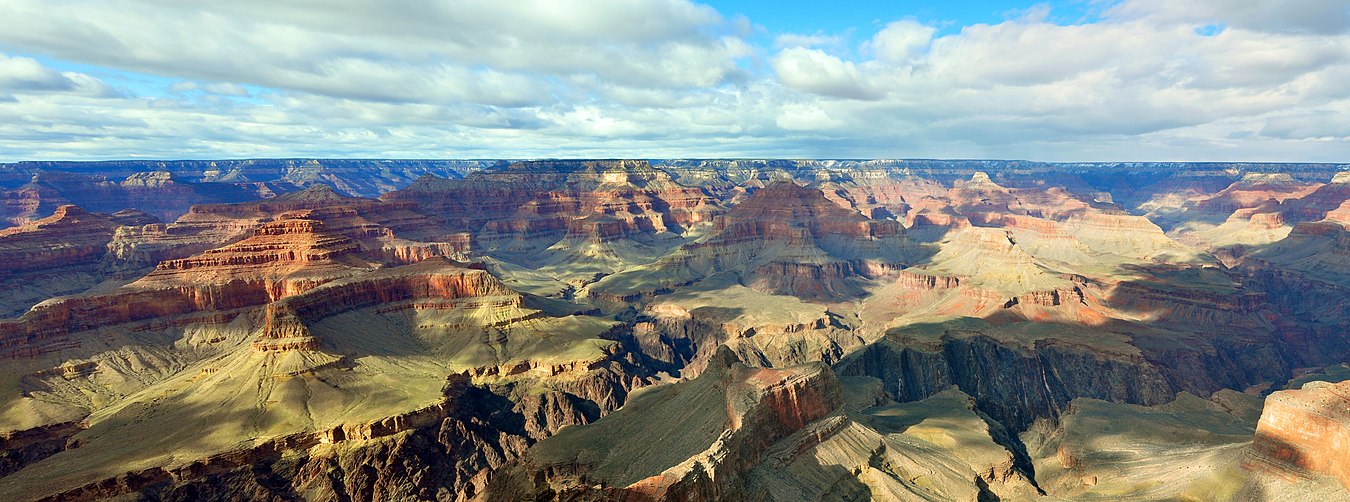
(1065, 80)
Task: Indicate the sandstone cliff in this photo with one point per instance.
(1307, 429)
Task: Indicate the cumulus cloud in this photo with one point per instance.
(902, 41)
(1144, 71)
(1150, 79)
(813, 70)
(24, 75)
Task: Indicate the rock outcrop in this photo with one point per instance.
(717, 429)
(1014, 385)
(577, 220)
(70, 236)
(785, 239)
(1307, 429)
(57, 255)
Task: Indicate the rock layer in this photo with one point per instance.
(1308, 430)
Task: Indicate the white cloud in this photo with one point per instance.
(23, 75)
(26, 74)
(348, 47)
(649, 78)
(1028, 81)
(815, 71)
(901, 41)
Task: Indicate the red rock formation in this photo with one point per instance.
(799, 242)
(385, 232)
(62, 254)
(1251, 191)
(1324, 202)
(1340, 214)
(29, 202)
(292, 241)
(877, 197)
(533, 199)
(70, 236)
(435, 279)
(289, 245)
(281, 259)
(779, 210)
(1308, 429)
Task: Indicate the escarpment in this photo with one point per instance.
(1013, 385)
(707, 458)
(280, 259)
(431, 280)
(69, 236)
(53, 256)
(161, 194)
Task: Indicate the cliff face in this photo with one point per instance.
(1013, 385)
(70, 236)
(259, 177)
(57, 255)
(795, 433)
(29, 202)
(279, 259)
(575, 220)
(544, 191)
(21, 448)
(286, 316)
(717, 444)
(682, 333)
(1307, 430)
(297, 342)
(785, 239)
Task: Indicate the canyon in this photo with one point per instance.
(678, 329)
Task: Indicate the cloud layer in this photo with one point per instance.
(1146, 80)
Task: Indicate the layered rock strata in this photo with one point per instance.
(1307, 429)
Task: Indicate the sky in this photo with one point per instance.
(1066, 80)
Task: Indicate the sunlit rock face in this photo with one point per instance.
(1308, 429)
(674, 330)
(575, 220)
